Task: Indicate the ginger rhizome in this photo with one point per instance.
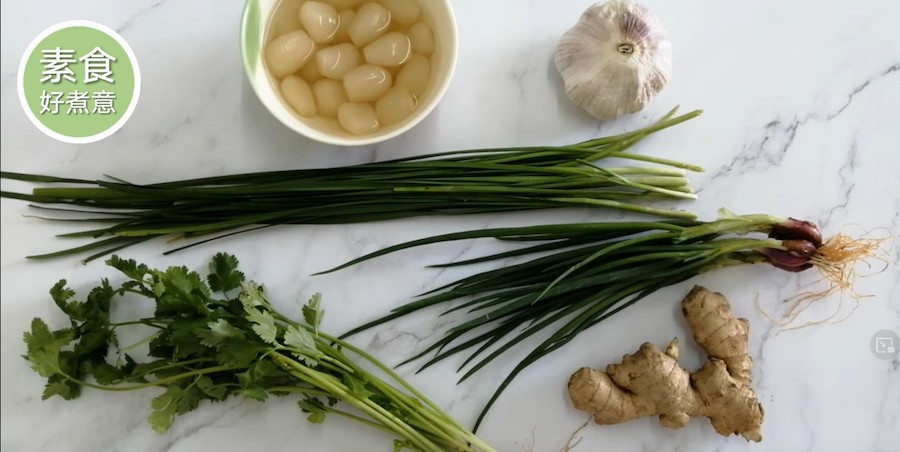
(652, 383)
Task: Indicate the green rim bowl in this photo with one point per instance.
(254, 25)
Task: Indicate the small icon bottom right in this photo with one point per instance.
(885, 344)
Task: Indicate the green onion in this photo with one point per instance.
(588, 272)
(450, 183)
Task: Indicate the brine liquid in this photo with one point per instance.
(350, 66)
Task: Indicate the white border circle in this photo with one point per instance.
(20, 82)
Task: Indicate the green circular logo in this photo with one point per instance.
(79, 81)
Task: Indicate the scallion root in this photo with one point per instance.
(838, 260)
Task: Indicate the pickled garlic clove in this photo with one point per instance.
(405, 12)
(329, 95)
(414, 75)
(310, 71)
(335, 61)
(341, 5)
(357, 118)
(395, 106)
(392, 49)
(367, 82)
(298, 95)
(285, 22)
(371, 21)
(422, 39)
(346, 18)
(289, 52)
(320, 20)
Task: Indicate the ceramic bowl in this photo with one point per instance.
(254, 29)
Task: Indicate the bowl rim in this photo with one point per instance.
(264, 91)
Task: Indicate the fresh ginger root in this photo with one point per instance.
(650, 382)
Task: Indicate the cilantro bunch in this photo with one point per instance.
(219, 338)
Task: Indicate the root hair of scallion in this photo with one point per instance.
(837, 260)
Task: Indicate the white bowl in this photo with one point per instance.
(254, 26)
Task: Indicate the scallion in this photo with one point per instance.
(450, 183)
(590, 271)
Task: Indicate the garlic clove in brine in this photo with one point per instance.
(614, 60)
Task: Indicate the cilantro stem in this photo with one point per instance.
(337, 389)
(471, 438)
(300, 390)
(174, 365)
(305, 391)
(159, 382)
(140, 342)
(436, 423)
(327, 361)
(137, 322)
(439, 424)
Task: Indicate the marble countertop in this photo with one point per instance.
(802, 119)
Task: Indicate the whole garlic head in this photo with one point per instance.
(615, 59)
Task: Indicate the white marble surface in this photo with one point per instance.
(802, 118)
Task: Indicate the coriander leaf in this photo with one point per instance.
(252, 295)
(39, 336)
(356, 386)
(139, 285)
(158, 287)
(129, 268)
(106, 374)
(303, 344)
(251, 385)
(400, 445)
(176, 400)
(239, 353)
(260, 375)
(179, 340)
(164, 407)
(128, 365)
(98, 302)
(312, 312)
(180, 292)
(94, 333)
(65, 389)
(213, 390)
(256, 393)
(61, 296)
(189, 400)
(223, 273)
(264, 324)
(43, 347)
(218, 332)
(315, 408)
(181, 281)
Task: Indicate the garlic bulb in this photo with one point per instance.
(614, 60)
